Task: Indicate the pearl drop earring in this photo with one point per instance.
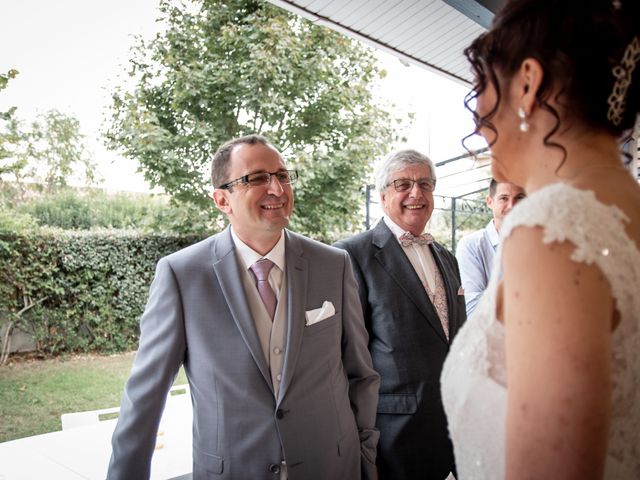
(524, 125)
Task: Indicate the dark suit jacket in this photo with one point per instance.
(408, 347)
(198, 315)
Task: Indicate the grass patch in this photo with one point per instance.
(33, 394)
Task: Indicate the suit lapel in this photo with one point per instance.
(229, 277)
(395, 262)
(297, 277)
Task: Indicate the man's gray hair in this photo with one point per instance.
(399, 161)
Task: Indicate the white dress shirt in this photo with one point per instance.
(249, 256)
(420, 256)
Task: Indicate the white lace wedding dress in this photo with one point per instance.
(474, 382)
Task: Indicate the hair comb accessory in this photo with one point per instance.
(622, 72)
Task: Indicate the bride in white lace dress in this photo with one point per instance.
(543, 380)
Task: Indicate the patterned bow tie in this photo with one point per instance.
(407, 239)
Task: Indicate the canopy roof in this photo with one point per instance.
(428, 33)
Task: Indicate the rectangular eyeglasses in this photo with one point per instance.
(406, 184)
(285, 177)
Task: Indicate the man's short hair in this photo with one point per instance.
(493, 186)
(220, 160)
(398, 161)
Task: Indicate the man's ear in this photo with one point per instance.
(382, 198)
(529, 78)
(489, 201)
(221, 199)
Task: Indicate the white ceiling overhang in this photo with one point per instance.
(428, 33)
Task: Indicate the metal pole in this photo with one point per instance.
(367, 217)
(453, 224)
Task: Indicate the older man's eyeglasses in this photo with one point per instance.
(406, 184)
(285, 177)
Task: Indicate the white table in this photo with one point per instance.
(84, 452)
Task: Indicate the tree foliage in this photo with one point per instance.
(10, 135)
(48, 151)
(222, 69)
(57, 150)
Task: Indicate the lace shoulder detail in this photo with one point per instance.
(597, 230)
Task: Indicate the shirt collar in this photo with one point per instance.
(494, 236)
(248, 256)
(395, 229)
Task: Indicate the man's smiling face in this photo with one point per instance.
(410, 210)
(256, 211)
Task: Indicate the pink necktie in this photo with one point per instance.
(409, 238)
(261, 270)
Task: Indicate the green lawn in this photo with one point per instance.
(33, 394)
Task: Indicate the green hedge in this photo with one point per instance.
(87, 289)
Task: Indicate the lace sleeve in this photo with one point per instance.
(597, 231)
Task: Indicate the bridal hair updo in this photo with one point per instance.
(590, 53)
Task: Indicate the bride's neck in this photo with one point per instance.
(585, 154)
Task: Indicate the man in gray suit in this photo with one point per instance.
(413, 306)
(268, 326)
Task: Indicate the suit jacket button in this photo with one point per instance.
(274, 468)
(279, 414)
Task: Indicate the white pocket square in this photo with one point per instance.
(314, 316)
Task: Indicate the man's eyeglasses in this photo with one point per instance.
(406, 184)
(285, 177)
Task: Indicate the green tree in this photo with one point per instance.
(49, 151)
(57, 150)
(221, 69)
(11, 135)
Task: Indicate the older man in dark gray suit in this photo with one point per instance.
(269, 329)
(413, 306)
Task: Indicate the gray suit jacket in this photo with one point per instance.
(408, 347)
(197, 315)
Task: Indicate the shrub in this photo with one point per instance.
(71, 209)
(82, 291)
(11, 221)
(76, 210)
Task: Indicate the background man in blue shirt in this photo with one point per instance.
(475, 251)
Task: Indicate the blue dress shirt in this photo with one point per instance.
(475, 254)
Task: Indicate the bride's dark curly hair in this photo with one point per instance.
(578, 44)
